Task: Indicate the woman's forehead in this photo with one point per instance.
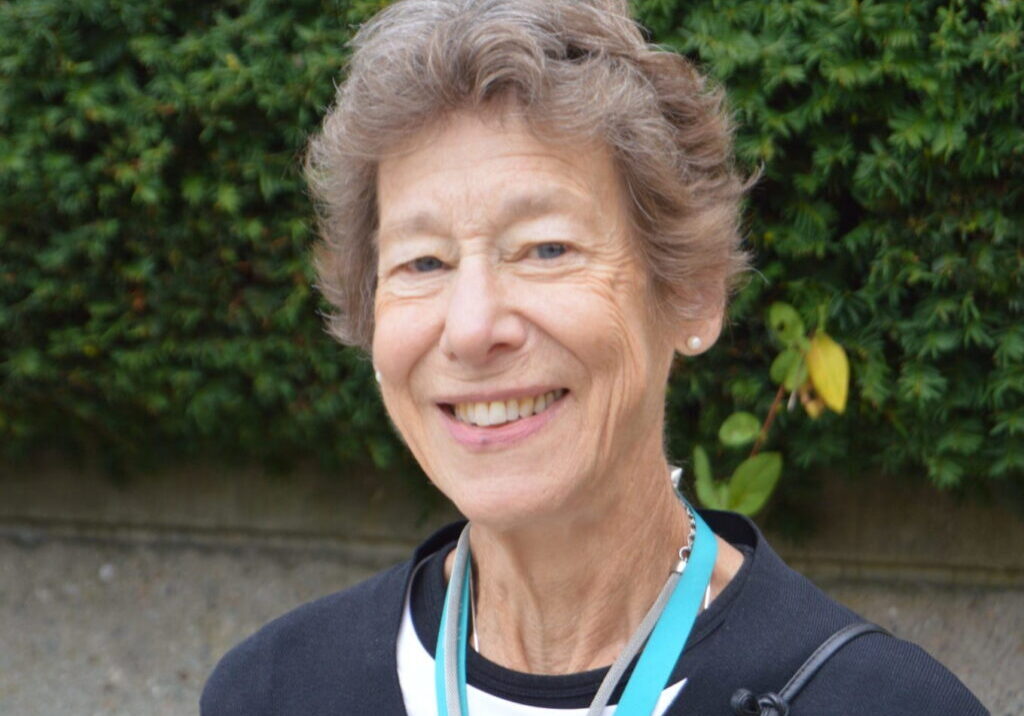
(501, 169)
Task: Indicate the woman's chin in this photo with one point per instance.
(509, 502)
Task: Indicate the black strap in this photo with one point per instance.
(745, 703)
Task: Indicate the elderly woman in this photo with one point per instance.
(528, 212)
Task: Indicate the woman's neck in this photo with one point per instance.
(565, 597)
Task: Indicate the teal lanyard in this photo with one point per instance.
(671, 628)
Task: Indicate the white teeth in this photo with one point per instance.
(479, 413)
(525, 407)
(496, 414)
(500, 412)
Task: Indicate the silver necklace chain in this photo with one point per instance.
(687, 549)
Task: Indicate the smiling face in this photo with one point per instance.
(519, 357)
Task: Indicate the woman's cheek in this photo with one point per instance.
(594, 312)
(402, 334)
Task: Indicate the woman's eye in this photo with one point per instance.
(425, 264)
(550, 250)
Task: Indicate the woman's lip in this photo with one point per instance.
(478, 438)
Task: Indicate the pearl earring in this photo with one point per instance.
(376, 374)
(694, 343)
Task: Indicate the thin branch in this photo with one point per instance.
(769, 420)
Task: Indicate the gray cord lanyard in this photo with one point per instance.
(632, 648)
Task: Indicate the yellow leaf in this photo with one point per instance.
(829, 370)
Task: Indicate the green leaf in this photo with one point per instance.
(753, 482)
(919, 384)
(785, 323)
(193, 190)
(739, 429)
(701, 464)
(789, 369)
(944, 471)
(228, 198)
(709, 493)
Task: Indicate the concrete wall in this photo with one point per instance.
(868, 530)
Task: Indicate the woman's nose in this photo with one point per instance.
(480, 323)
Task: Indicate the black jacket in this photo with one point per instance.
(337, 655)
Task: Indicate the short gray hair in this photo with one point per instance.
(576, 68)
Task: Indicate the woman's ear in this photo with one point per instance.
(695, 337)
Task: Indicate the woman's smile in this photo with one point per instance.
(498, 411)
(500, 423)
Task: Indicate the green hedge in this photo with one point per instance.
(892, 140)
(155, 289)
